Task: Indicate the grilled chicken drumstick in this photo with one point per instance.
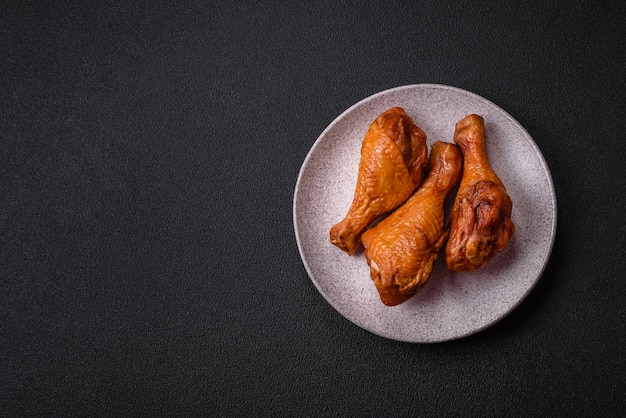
(401, 249)
(481, 216)
(393, 155)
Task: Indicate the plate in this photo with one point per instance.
(451, 305)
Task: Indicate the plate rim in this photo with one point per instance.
(536, 151)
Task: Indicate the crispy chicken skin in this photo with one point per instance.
(481, 216)
(402, 248)
(393, 156)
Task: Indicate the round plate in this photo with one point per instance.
(451, 305)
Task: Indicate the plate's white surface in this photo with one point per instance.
(451, 305)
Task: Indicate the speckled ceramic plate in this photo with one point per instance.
(451, 305)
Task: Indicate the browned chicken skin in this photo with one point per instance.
(402, 248)
(393, 155)
(481, 216)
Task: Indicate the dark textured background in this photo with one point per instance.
(148, 157)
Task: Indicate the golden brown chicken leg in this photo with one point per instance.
(481, 216)
(393, 155)
(402, 248)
